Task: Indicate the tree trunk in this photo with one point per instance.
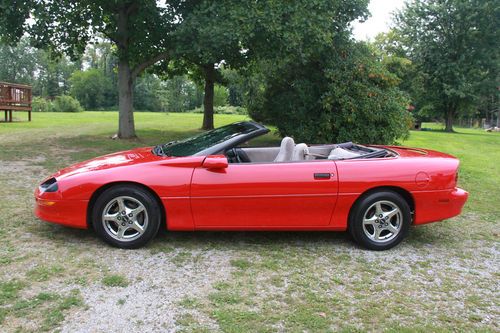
(126, 127)
(449, 120)
(498, 118)
(208, 99)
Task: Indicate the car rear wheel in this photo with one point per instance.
(126, 216)
(380, 221)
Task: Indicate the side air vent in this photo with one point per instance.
(50, 185)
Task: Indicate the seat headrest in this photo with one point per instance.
(286, 150)
(287, 142)
(300, 151)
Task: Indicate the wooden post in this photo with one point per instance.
(29, 100)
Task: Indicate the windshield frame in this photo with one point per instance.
(254, 130)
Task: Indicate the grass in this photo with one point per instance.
(442, 278)
(479, 156)
(115, 280)
(43, 273)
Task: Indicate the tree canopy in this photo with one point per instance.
(140, 30)
(454, 44)
(292, 64)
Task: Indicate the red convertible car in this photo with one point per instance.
(214, 181)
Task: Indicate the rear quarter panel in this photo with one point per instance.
(424, 174)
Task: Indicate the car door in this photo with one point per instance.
(291, 195)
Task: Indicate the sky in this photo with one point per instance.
(379, 21)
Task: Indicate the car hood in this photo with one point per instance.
(115, 160)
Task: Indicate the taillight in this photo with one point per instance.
(50, 185)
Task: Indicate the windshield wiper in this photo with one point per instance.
(170, 143)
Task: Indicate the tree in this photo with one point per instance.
(313, 83)
(180, 94)
(139, 29)
(52, 74)
(92, 89)
(391, 53)
(235, 33)
(102, 56)
(454, 44)
(147, 90)
(234, 82)
(340, 94)
(48, 75)
(22, 62)
(210, 34)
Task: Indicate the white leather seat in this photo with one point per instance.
(286, 150)
(299, 152)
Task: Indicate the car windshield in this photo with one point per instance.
(200, 142)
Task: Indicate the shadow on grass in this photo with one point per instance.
(456, 131)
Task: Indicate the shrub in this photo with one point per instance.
(66, 103)
(341, 95)
(224, 110)
(40, 104)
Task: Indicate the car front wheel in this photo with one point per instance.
(380, 220)
(126, 216)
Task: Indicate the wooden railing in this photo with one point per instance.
(15, 97)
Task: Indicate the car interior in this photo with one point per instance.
(289, 151)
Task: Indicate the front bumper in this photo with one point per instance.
(432, 206)
(51, 207)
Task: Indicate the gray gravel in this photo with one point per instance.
(150, 303)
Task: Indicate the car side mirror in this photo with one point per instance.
(215, 162)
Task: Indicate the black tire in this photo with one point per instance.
(131, 196)
(366, 206)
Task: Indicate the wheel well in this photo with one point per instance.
(103, 188)
(401, 191)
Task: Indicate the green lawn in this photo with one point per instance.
(444, 277)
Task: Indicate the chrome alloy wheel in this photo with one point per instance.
(382, 221)
(125, 218)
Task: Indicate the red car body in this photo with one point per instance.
(207, 193)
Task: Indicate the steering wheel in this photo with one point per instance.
(233, 156)
(237, 155)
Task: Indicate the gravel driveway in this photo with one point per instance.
(445, 276)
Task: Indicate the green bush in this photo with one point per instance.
(40, 104)
(224, 110)
(65, 103)
(338, 95)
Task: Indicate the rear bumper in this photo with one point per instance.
(50, 208)
(432, 206)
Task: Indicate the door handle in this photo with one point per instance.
(322, 175)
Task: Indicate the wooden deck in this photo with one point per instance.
(15, 97)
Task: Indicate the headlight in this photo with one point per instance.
(50, 185)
